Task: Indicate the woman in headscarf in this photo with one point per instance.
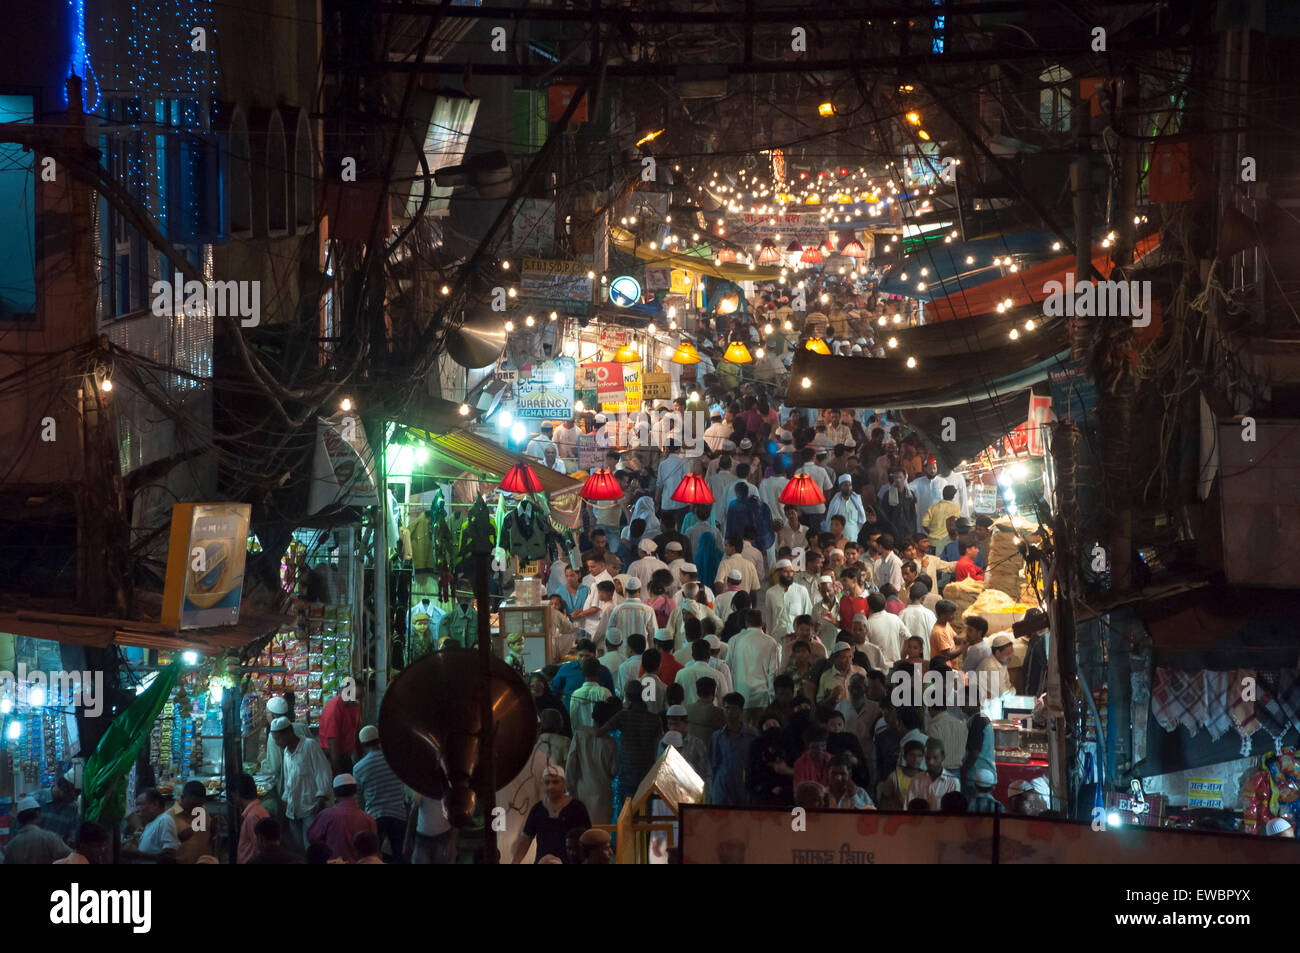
(644, 509)
(708, 557)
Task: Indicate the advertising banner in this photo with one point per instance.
(556, 280)
(590, 456)
(343, 471)
(605, 378)
(205, 564)
(738, 835)
(548, 390)
(807, 228)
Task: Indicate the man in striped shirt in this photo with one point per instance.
(381, 793)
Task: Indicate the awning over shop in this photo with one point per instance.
(959, 339)
(948, 271)
(983, 365)
(97, 632)
(626, 242)
(1024, 286)
(459, 451)
(974, 422)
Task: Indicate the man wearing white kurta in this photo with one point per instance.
(928, 488)
(633, 615)
(785, 601)
(698, 668)
(885, 630)
(646, 566)
(847, 504)
(755, 660)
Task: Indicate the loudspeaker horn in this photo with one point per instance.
(478, 342)
(429, 727)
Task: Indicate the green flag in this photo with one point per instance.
(104, 779)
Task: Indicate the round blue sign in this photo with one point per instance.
(625, 291)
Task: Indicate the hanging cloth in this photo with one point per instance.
(1242, 708)
(1177, 698)
(477, 528)
(1273, 719)
(1218, 701)
(422, 543)
(1288, 694)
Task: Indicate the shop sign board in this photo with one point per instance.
(807, 228)
(1074, 395)
(1040, 406)
(548, 391)
(554, 279)
(658, 279)
(625, 291)
(984, 499)
(590, 456)
(657, 385)
(1205, 792)
(605, 378)
(613, 337)
(739, 835)
(205, 564)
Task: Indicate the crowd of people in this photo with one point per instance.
(765, 641)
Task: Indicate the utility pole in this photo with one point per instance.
(104, 583)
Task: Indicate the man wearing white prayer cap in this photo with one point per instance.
(305, 782)
(277, 706)
(645, 567)
(688, 746)
(688, 573)
(29, 843)
(785, 601)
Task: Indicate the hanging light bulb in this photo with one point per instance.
(893, 342)
(463, 410)
(911, 362)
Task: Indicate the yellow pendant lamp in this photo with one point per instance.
(685, 354)
(817, 346)
(627, 354)
(737, 353)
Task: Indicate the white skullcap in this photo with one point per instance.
(674, 738)
(783, 564)
(648, 546)
(281, 724)
(632, 584)
(734, 575)
(844, 477)
(690, 568)
(343, 780)
(277, 705)
(613, 635)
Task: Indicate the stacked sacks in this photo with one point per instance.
(964, 594)
(1005, 562)
(989, 605)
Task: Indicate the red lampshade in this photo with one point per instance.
(802, 490)
(693, 489)
(522, 478)
(601, 485)
(812, 255)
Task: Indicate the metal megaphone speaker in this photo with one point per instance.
(429, 727)
(478, 342)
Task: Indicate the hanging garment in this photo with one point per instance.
(459, 627)
(1242, 709)
(1140, 686)
(525, 532)
(1176, 698)
(477, 527)
(422, 543)
(1289, 696)
(1273, 719)
(1218, 699)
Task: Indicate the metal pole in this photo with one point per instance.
(486, 765)
(381, 573)
(233, 753)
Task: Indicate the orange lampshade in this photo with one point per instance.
(627, 354)
(737, 353)
(685, 354)
(693, 489)
(812, 255)
(521, 478)
(768, 254)
(601, 485)
(817, 346)
(727, 254)
(802, 490)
